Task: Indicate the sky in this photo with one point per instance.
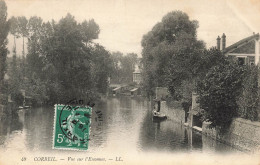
(124, 22)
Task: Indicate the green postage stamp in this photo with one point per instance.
(71, 127)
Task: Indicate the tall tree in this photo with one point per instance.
(61, 57)
(102, 66)
(117, 67)
(23, 29)
(172, 43)
(15, 81)
(14, 29)
(34, 61)
(128, 65)
(123, 67)
(4, 29)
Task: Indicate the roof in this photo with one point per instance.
(116, 89)
(135, 89)
(240, 43)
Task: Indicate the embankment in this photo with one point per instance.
(242, 134)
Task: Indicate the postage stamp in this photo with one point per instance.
(71, 127)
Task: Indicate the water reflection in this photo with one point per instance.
(38, 126)
(126, 125)
(164, 136)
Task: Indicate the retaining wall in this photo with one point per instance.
(242, 134)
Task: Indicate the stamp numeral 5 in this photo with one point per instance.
(60, 138)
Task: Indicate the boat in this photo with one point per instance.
(158, 117)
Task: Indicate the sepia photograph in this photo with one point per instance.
(129, 82)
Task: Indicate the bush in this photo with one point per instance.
(218, 92)
(249, 98)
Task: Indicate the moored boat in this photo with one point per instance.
(157, 116)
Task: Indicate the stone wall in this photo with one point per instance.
(177, 115)
(242, 134)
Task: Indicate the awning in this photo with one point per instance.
(116, 89)
(135, 89)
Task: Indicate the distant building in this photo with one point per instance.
(137, 72)
(245, 51)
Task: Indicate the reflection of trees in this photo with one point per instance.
(98, 132)
(126, 109)
(39, 127)
(165, 135)
(8, 124)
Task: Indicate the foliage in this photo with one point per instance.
(14, 80)
(62, 62)
(123, 67)
(102, 66)
(249, 98)
(4, 29)
(218, 92)
(170, 51)
(14, 29)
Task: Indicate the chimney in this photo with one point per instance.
(218, 43)
(223, 41)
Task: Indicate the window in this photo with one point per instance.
(241, 60)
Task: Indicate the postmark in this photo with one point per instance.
(72, 126)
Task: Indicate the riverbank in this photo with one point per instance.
(242, 134)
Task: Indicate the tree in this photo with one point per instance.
(219, 91)
(61, 57)
(23, 29)
(123, 67)
(71, 57)
(116, 72)
(15, 80)
(128, 65)
(102, 66)
(34, 60)
(4, 29)
(169, 52)
(62, 63)
(248, 101)
(14, 29)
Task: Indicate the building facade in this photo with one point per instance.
(244, 52)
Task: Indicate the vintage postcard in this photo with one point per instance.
(129, 82)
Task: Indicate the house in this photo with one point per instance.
(245, 51)
(135, 92)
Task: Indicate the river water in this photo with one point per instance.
(126, 127)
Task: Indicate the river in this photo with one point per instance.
(126, 127)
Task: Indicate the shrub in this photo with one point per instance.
(218, 92)
(248, 101)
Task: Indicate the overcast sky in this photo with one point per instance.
(124, 22)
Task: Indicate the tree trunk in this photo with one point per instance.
(23, 46)
(14, 43)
